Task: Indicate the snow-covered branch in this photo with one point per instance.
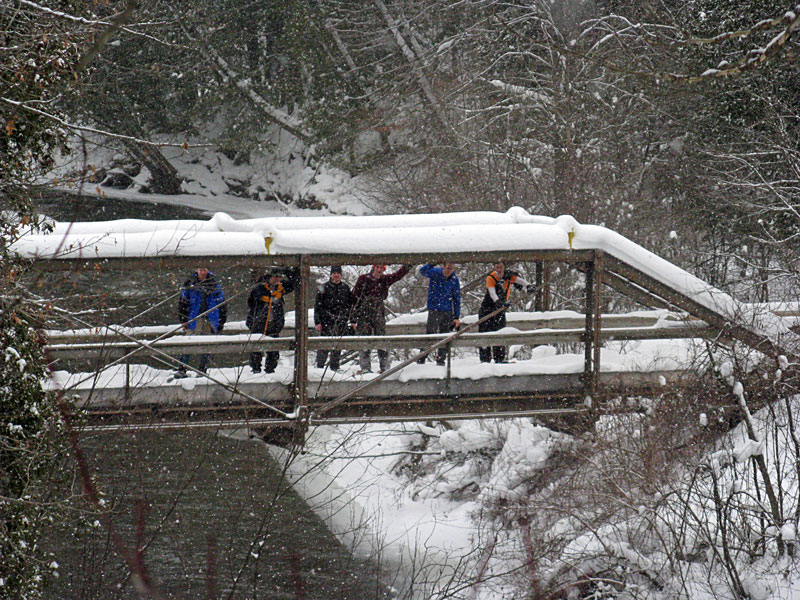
(648, 35)
(413, 60)
(117, 22)
(94, 22)
(244, 85)
(74, 127)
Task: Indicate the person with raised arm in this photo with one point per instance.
(444, 302)
(370, 290)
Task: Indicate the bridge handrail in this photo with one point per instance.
(232, 344)
(523, 321)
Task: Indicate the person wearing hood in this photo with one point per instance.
(201, 311)
(266, 311)
(332, 311)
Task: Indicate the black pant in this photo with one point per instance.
(335, 330)
(270, 362)
(372, 321)
(439, 321)
(494, 324)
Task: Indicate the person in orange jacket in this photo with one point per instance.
(498, 293)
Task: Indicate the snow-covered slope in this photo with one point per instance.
(489, 510)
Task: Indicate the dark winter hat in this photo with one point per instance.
(336, 269)
(275, 271)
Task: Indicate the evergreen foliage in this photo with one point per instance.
(38, 56)
(29, 440)
(41, 48)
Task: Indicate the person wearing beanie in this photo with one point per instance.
(201, 295)
(332, 312)
(370, 290)
(266, 312)
(444, 302)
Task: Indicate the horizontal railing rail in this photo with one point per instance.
(231, 344)
(522, 321)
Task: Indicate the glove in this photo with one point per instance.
(219, 329)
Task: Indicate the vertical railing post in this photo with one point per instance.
(301, 337)
(538, 299)
(542, 300)
(588, 334)
(591, 338)
(597, 318)
(546, 286)
(448, 371)
(127, 381)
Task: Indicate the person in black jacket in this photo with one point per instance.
(332, 309)
(266, 311)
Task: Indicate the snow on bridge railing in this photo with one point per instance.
(223, 236)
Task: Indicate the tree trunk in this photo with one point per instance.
(165, 179)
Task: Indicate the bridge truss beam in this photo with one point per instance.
(600, 269)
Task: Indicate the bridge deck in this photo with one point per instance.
(481, 390)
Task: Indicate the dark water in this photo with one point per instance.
(212, 504)
(62, 207)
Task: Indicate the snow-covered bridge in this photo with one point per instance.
(687, 308)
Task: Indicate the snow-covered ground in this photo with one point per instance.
(266, 185)
(442, 504)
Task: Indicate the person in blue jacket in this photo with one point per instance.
(444, 302)
(201, 293)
